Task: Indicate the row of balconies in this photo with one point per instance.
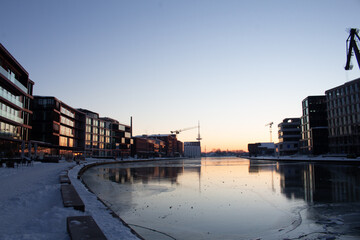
(11, 76)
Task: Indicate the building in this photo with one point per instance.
(15, 114)
(192, 149)
(173, 147)
(261, 149)
(343, 112)
(314, 129)
(289, 136)
(146, 147)
(121, 138)
(106, 137)
(58, 129)
(97, 135)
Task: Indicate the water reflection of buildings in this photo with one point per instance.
(320, 183)
(314, 182)
(145, 174)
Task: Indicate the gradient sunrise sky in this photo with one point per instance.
(232, 65)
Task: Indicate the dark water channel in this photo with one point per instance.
(232, 198)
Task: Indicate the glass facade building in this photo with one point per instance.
(15, 96)
(106, 137)
(343, 104)
(97, 135)
(314, 130)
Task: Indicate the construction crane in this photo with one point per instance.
(350, 46)
(181, 130)
(189, 128)
(270, 127)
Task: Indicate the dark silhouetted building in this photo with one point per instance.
(343, 104)
(15, 96)
(58, 128)
(314, 130)
(261, 149)
(289, 136)
(121, 139)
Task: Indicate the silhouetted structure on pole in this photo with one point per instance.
(352, 46)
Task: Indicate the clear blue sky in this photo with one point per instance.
(233, 65)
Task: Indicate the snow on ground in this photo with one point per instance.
(31, 204)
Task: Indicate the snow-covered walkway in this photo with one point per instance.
(31, 205)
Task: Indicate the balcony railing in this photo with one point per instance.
(8, 96)
(10, 116)
(12, 78)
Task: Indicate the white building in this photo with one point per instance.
(192, 149)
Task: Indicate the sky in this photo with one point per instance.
(232, 65)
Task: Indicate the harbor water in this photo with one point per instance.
(232, 198)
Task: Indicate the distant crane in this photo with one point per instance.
(352, 46)
(189, 128)
(270, 127)
(181, 130)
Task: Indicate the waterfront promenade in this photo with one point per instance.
(32, 208)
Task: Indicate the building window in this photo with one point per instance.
(66, 131)
(63, 141)
(88, 137)
(95, 138)
(67, 121)
(67, 112)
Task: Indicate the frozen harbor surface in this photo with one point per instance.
(232, 198)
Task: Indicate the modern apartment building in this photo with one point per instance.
(97, 135)
(121, 139)
(289, 136)
(57, 127)
(15, 96)
(343, 111)
(314, 129)
(106, 137)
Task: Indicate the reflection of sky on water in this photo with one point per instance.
(231, 198)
